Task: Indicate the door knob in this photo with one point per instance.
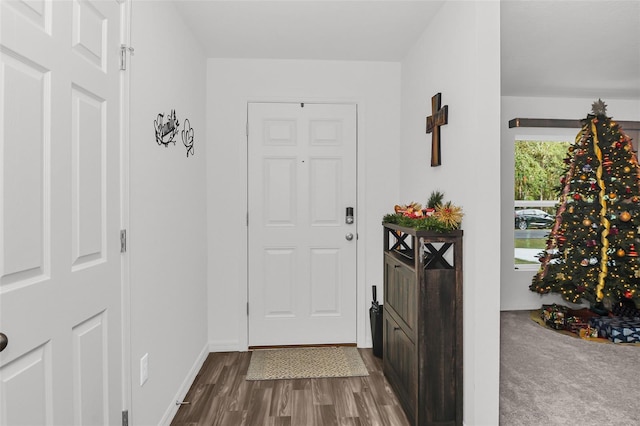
(4, 341)
(349, 236)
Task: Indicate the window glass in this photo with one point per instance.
(539, 166)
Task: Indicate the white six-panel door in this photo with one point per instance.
(59, 212)
(302, 264)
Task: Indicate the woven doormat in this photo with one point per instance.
(305, 363)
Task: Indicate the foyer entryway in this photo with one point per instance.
(302, 228)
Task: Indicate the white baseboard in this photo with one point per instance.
(184, 388)
(224, 346)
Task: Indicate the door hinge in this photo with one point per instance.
(247, 308)
(123, 56)
(123, 241)
(125, 418)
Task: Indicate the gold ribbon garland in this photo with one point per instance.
(603, 217)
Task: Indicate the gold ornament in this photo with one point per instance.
(627, 169)
(560, 276)
(449, 214)
(625, 216)
(620, 252)
(586, 222)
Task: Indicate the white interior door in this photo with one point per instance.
(302, 264)
(60, 212)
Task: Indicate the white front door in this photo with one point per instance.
(60, 212)
(301, 250)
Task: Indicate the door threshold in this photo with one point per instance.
(320, 345)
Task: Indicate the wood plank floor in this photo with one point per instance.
(221, 396)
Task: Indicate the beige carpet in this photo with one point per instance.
(549, 379)
(304, 363)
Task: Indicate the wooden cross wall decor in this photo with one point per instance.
(438, 118)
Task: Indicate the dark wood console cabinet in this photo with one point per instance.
(422, 332)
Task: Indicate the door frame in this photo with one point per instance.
(361, 309)
(125, 284)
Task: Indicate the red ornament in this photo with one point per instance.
(618, 145)
(576, 196)
(628, 294)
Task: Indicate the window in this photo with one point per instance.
(539, 166)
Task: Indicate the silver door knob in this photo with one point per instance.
(4, 341)
(349, 236)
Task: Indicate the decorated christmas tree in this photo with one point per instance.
(592, 249)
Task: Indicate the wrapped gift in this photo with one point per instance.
(555, 316)
(618, 329)
(575, 324)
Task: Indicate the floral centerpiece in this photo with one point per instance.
(436, 216)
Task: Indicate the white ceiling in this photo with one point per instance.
(301, 29)
(563, 48)
(571, 48)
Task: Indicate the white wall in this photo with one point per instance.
(459, 56)
(167, 243)
(231, 83)
(514, 290)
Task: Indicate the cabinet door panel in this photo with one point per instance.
(401, 292)
(400, 361)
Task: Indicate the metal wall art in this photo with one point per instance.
(166, 131)
(187, 137)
